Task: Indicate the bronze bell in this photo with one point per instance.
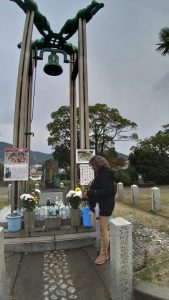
(53, 68)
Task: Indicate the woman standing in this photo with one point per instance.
(101, 191)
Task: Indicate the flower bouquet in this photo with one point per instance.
(28, 202)
(74, 197)
(36, 194)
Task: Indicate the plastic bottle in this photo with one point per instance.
(48, 201)
(37, 213)
(57, 209)
(52, 203)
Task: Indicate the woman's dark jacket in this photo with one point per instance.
(102, 191)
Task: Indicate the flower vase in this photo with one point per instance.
(29, 221)
(75, 216)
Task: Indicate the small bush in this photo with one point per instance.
(147, 184)
(122, 176)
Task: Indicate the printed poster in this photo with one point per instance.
(84, 155)
(86, 174)
(16, 164)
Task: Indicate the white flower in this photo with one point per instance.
(79, 194)
(70, 194)
(23, 196)
(74, 194)
(37, 191)
(26, 197)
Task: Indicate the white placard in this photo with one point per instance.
(86, 174)
(16, 164)
(84, 155)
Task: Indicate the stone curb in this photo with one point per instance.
(147, 291)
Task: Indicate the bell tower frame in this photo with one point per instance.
(78, 66)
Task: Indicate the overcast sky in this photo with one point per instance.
(124, 70)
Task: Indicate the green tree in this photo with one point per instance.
(59, 138)
(151, 157)
(164, 41)
(106, 126)
(114, 160)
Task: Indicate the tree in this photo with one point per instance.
(114, 161)
(59, 138)
(164, 41)
(151, 157)
(106, 126)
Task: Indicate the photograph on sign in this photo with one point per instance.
(86, 174)
(16, 164)
(84, 155)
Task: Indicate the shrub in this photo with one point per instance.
(147, 184)
(122, 176)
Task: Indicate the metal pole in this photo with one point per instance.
(73, 125)
(22, 99)
(83, 86)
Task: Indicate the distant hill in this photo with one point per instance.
(122, 155)
(36, 157)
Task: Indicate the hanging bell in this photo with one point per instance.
(53, 68)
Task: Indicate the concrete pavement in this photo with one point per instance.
(61, 274)
(66, 274)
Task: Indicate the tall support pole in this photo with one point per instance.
(29, 103)
(22, 98)
(83, 86)
(29, 108)
(73, 124)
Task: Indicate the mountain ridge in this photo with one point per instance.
(37, 157)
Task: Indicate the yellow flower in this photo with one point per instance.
(78, 189)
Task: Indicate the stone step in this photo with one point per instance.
(50, 242)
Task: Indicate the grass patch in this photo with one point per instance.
(156, 270)
(144, 202)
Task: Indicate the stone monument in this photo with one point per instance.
(121, 259)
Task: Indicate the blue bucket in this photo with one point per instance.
(86, 217)
(14, 222)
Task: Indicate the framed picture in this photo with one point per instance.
(16, 164)
(83, 156)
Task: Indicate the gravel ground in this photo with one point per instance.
(150, 254)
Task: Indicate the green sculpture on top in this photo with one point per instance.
(40, 20)
(71, 25)
(57, 40)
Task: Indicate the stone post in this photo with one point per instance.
(134, 194)
(120, 191)
(121, 259)
(9, 193)
(37, 186)
(3, 285)
(155, 196)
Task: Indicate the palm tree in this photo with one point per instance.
(164, 39)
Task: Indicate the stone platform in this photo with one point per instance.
(40, 240)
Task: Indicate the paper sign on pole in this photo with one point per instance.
(86, 174)
(16, 164)
(84, 155)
